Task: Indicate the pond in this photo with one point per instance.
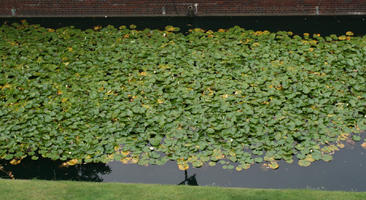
(344, 172)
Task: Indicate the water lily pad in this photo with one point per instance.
(304, 163)
(199, 98)
(327, 157)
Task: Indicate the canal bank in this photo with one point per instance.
(34, 189)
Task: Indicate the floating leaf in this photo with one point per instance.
(15, 161)
(238, 168)
(183, 167)
(327, 157)
(70, 162)
(340, 145)
(258, 159)
(273, 165)
(356, 138)
(304, 163)
(148, 96)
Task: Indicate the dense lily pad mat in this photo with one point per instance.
(28, 190)
(232, 96)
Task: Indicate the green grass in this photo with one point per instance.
(35, 189)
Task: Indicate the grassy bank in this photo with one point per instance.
(34, 189)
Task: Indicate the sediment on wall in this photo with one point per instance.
(138, 8)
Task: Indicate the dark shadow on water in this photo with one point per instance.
(46, 169)
(189, 180)
(324, 25)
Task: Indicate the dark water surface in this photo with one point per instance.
(324, 25)
(345, 172)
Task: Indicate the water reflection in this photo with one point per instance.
(297, 24)
(52, 170)
(189, 180)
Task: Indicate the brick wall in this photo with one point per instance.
(125, 8)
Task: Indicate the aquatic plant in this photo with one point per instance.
(234, 97)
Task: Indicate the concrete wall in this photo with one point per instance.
(125, 8)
